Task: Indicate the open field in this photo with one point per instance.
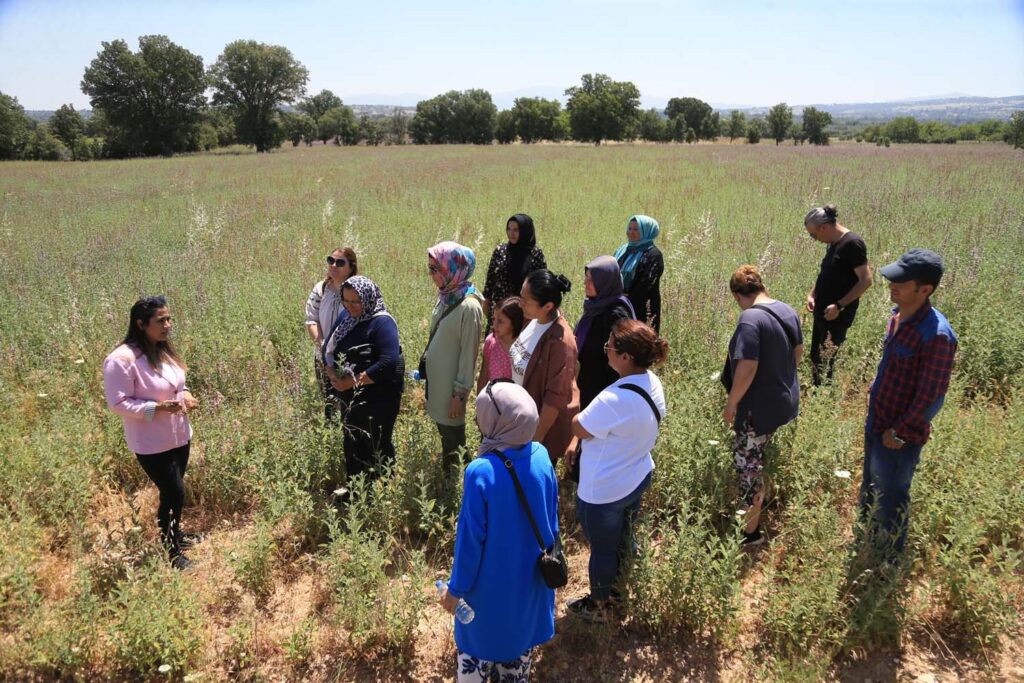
(285, 589)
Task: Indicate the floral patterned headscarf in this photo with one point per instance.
(373, 305)
(457, 264)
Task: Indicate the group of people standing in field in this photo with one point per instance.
(548, 391)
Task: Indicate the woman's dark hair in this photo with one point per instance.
(640, 341)
(548, 288)
(512, 308)
(142, 312)
(746, 281)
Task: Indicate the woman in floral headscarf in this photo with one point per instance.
(449, 361)
(363, 359)
(642, 264)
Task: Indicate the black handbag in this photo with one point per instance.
(552, 564)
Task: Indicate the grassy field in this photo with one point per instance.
(287, 589)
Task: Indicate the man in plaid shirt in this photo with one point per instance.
(907, 392)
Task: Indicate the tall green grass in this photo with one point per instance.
(237, 242)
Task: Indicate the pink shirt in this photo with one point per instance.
(133, 388)
(499, 363)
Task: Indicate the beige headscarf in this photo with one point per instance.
(506, 415)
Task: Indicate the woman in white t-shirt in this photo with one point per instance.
(618, 430)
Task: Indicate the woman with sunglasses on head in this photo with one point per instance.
(618, 430)
(495, 567)
(511, 262)
(449, 360)
(605, 305)
(544, 359)
(642, 265)
(144, 383)
(323, 306)
(363, 362)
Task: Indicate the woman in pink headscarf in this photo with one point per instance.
(449, 361)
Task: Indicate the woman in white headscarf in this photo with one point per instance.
(495, 568)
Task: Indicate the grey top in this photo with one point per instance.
(773, 397)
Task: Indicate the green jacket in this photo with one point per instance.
(451, 357)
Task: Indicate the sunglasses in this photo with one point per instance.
(500, 380)
(340, 262)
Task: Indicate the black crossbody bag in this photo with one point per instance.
(645, 396)
(726, 376)
(551, 562)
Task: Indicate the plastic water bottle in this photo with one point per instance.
(415, 376)
(463, 612)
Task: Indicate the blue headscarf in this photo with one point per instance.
(630, 253)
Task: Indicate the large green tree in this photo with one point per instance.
(694, 113)
(1015, 130)
(780, 118)
(68, 125)
(455, 118)
(339, 123)
(537, 118)
(602, 109)
(652, 126)
(815, 122)
(319, 104)
(253, 80)
(152, 98)
(737, 126)
(15, 128)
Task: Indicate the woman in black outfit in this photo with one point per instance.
(511, 262)
(642, 265)
(605, 305)
(364, 361)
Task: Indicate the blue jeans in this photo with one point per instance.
(886, 486)
(609, 530)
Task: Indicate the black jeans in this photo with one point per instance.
(823, 332)
(167, 471)
(368, 429)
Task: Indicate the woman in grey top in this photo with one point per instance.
(323, 306)
(760, 377)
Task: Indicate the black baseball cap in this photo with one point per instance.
(922, 265)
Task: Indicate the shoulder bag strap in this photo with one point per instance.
(444, 315)
(522, 497)
(785, 330)
(645, 396)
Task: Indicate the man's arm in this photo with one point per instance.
(931, 384)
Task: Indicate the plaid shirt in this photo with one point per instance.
(913, 375)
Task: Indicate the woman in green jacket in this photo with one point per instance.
(450, 356)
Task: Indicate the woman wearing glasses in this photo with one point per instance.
(323, 306)
(363, 362)
(449, 360)
(144, 383)
(618, 430)
(495, 568)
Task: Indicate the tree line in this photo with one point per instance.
(153, 102)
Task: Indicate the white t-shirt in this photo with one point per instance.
(624, 428)
(523, 347)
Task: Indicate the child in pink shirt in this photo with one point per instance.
(508, 323)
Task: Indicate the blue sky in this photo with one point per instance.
(757, 52)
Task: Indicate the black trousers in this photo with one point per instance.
(368, 428)
(823, 357)
(167, 471)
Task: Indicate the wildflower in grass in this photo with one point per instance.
(713, 442)
(843, 474)
(79, 361)
(42, 395)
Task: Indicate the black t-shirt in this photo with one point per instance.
(838, 273)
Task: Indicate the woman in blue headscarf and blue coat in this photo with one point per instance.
(642, 265)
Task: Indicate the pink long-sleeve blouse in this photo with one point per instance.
(133, 388)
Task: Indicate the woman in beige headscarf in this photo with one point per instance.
(495, 569)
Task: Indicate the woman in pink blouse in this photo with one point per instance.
(144, 381)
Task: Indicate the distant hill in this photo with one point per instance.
(957, 110)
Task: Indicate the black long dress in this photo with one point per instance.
(645, 289)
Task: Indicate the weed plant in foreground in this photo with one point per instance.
(287, 585)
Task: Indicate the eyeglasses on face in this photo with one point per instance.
(608, 347)
(490, 395)
(340, 262)
(434, 269)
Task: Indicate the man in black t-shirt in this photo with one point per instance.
(844, 276)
